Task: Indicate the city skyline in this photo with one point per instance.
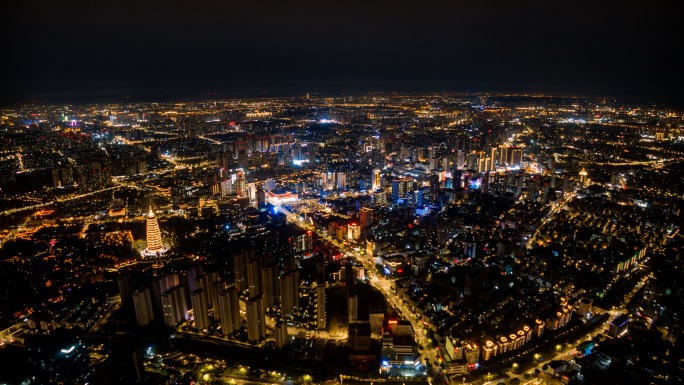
(341, 193)
(384, 237)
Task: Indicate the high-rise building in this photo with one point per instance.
(516, 156)
(470, 249)
(125, 284)
(328, 181)
(256, 320)
(142, 303)
(320, 304)
(365, 217)
(460, 160)
(190, 276)
(234, 185)
(289, 292)
(260, 198)
(375, 181)
(240, 184)
(352, 307)
(202, 282)
(159, 287)
(584, 308)
(155, 247)
(583, 177)
(494, 158)
(214, 290)
(538, 327)
(301, 242)
(353, 231)
(471, 353)
(503, 155)
(240, 270)
(281, 337)
(379, 199)
(619, 326)
(341, 181)
(174, 306)
(229, 310)
(268, 283)
(254, 277)
(400, 187)
(200, 309)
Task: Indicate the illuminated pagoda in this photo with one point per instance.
(155, 247)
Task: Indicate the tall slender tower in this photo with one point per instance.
(256, 321)
(155, 248)
(375, 182)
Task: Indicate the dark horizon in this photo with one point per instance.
(81, 50)
(196, 94)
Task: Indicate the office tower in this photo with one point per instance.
(142, 302)
(174, 306)
(240, 270)
(125, 284)
(254, 277)
(268, 283)
(200, 309)
(320, 304)
(375, 181)
(281, 337)
(229, 310)
(256, 320)
(378, 199)
(445, 163)
(365, 217)
(289, 292)
(400, 187)
(154, 242)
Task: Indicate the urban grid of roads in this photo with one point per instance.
(353, 137)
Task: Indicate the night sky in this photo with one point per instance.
(96, 48)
